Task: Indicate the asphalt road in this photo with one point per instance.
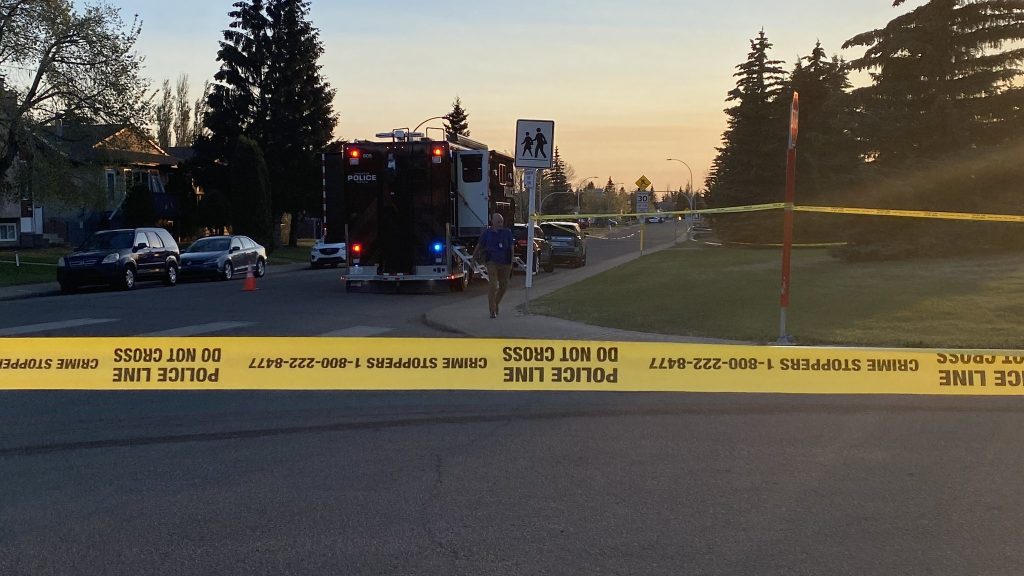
(254, 483)
(291, 301)
(478, 483)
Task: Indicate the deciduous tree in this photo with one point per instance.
(183, 135)
(71, 63)
(164, 115)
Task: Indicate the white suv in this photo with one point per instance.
(321, 254)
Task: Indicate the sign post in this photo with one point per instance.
(532, 191)
(787, 230)
(535, 141)
(643, 205)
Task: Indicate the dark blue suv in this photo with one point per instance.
(121, 258)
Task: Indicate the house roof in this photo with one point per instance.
(107, 143)
(182, 153)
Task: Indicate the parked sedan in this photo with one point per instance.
(224, 257)
(541, 247)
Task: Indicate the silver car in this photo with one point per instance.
(224, 257)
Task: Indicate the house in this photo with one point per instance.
(75, 179)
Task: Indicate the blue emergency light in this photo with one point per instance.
(438, 247)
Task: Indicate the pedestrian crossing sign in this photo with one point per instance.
(535, 143)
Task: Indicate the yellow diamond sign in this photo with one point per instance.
(643, 183)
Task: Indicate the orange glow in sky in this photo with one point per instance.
(628, 84)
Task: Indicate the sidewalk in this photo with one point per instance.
(470, 317)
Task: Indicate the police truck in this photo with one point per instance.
(410, 209)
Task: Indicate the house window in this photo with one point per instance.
(111, 184)
(8, 232)
(156, 185)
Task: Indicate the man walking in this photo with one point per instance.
(495, 247)
(539, 143)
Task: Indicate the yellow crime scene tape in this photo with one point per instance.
(929, 214)
(728, 210)
(970, 216)
(497, 365)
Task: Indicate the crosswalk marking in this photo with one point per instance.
(45, 326)
(197, 329)
(358, 332)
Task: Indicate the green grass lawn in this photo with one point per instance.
(289, 255)
(37, 265)
(733, 293)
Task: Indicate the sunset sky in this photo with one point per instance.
(628, 84)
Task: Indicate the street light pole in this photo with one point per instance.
(417, 128)
(693, 193)
(540, 208)
(579, 209)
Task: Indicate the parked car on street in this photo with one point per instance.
(224, 257)
(321, 254)
(121, 258)
(542, 248)
(568, 243)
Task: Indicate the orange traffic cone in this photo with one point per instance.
(250, 282)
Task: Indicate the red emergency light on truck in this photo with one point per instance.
(411, 209)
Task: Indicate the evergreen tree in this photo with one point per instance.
(828, 155)
(750, 167)
(139, 208)
(944, 78)
(301, 118)
(270, 89)
(237, 102)
(945, 101)
(251, 193)
(457, 121)
(214, 212)
(555, 188)
(164, 115)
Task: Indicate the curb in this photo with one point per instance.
(441, 327)
(28, 291)
(28, 295)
